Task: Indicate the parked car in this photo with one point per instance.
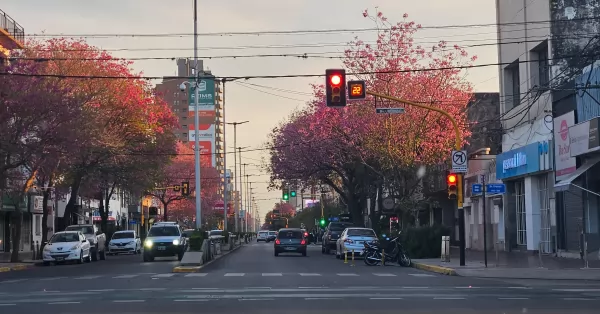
(96, 238)
(353, 239)
(67, 246)
(126, 241)
(331, 234)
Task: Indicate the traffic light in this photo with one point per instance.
(452, 181)
(322, 222)
(335, 87)
(185, 188)
(285, 195)
(293, 193)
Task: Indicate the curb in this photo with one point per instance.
(196, 269)
(435, 269)
(16, 267)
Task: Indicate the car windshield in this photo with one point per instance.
(163, 232)
(123, 235)
(65, 237)
(272, 233)
(263, 233)
(339, 226)
(83, 229)
(216, 233)
(361, 232)
(290, 234)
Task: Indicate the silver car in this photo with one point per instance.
(353, 239)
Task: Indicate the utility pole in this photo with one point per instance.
(235, 188)
(241, 188)
(225, 183)
(247, 191)
(196, 122)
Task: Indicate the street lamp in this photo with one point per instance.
(235, 124)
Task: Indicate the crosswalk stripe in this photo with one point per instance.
(234, 274)
(162, 275)
(347, 275)
(384, 274)
(11, 281)
(271, 274)
(421, 275)
(125, 276)
(309, 274)
(52, 278)
(196, 275)
(87, 277)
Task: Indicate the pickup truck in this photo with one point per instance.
(96, 238)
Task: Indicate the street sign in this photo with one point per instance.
(459, 161)
(476, 188)
(389, 110)
(495, 188)
(388, 203)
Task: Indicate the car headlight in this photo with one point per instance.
(74, 247)
(175, 242)
(148, 243)
(130, 242)
(47, 248)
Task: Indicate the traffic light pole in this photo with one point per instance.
(457, 146)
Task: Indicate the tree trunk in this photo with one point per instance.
(46, 195)
(165, 212)
(72, 203)
(103, 210)
(17, 217)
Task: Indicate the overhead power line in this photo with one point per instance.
(280, 76)
(304, 32)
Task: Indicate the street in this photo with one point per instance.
(253, 280)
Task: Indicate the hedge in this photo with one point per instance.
(196, 239)
(424, 242)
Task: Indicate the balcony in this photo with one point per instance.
(12, 35)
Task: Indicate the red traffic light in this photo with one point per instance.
(336, 79)
(452, 179)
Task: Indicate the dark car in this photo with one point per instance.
(290, 240)
(332, 233)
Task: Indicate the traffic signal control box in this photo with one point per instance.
(335, 87)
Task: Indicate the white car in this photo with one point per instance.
(262, 236)
(126, 241)
(67, 246)
(353, 239)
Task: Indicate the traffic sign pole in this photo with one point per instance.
(484, 221)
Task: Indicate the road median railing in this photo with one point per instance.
(213, 248)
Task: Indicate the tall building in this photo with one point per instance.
(210, 110)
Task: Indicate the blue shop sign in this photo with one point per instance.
(522, 160)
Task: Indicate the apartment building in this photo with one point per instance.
(210, 111)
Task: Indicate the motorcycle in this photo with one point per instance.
(373, 254)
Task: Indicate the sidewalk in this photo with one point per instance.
(24, 263)
(513, 265)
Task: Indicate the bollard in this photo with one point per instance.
(445, 249)
(497, 255)
(33, 252)
(352, 258)
(38, 251)
(345, 257)
(382, 257)
(540, 254)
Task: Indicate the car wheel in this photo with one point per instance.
(80, 260)
(94, 253)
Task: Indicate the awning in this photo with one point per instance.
(563, 185)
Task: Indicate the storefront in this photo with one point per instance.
(584, 182)
(527, 202)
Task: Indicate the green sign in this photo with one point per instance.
(206, 94)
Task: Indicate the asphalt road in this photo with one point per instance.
(253, 280)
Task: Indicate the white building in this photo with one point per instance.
(526, 164)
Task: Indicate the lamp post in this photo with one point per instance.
(196, 122)
(235, 124)
(241, 188)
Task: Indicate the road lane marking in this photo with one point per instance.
(101, 290)
(7, 304)
(308, 299)
(415, 287)
(448, 298)
(163, 275)
(347, 275)
(152, 289)
(313, 287)
(265, 299)
(125, 276)
(309, 274)
(52, 278)
(87, 277)
(523, 288)
(128, 301)
(386, 298)
(421, 275)
(467, 287)
(577, 290)
(384, 275)
(65, 302)
(235, 274)
(12, 281)
(257, 287)
(196, 275)
(272, 274)
(578, 299)
(513, 298)
(205, 288)
(191, 300)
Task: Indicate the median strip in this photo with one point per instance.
(435, 269)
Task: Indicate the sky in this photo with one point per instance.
(268, 101)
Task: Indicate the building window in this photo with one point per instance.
(543, 64)
(512, 86)
(520, 212)
(184, 135)
(184, 118)
(184, 126)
